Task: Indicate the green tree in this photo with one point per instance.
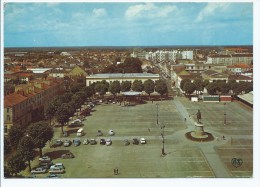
(101, 88)
(15, 134)
(224, 87)
(132, 65)
(40, 132)
(161, 87)
(205, 83)
(15, 165)
(77, 100)
(50, 111)
(7, 172)
(63, 114)
(76, 87)
(183, 82)
(89, 91)
(26, 149)
(125, 86)
(137, 86)
(115, 88)
(189, 88)
(149, 87)
(7, 146)
(199, 84)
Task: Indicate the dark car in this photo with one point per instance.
(93, 142)
(126, 142)
(57, 143)
(99, 133)
(53, 176)
(46, 165)
(102, 141)
(135, 141)
(67, 155)
(67, 143)
(76, 142)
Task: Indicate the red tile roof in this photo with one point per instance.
(13, 99)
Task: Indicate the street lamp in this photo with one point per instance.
(225, 115)
(157, 122)
(163, 153)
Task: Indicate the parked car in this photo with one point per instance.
(76, 142)
(67, 143)
(54, 169)
(102, 141)
(67, 155)
(126, 142)
(108, 142)
(142, 141)
(135, 141)
(57, 143)
(85, 142)
(45, 164)
(53, 176)
(45, 158)
(39, 170)
(93, 142)
(99, 133)
(60, 165)
(111, 132)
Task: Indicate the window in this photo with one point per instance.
(7, 110)
(8, 117)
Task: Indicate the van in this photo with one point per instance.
(59, 165)
(80, 132)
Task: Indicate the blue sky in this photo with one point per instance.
(127, 24)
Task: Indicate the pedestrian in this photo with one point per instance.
(223, 137)
(114, 171)
(184, 119)
(117, 171)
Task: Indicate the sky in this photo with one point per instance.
(127, 24)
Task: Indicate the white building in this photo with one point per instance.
(187, 55)
(121, 77)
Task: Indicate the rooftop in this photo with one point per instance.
(122, 75)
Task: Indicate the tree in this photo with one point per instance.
(125, 86)
(15, 135)
(101, 87)
(205, 83)
(82, 95)
(198, 84)
(211, 88)
(7, 146)
(50, 111)
(189, 88)
(63, 114)
(183, 82)
(26, 149)
(40, 132)
(161, 87)
(115, 88)
(15, 165)
(132, 65)
(89, 91)
(7, 172)
(137, 86)
(149, 87)
(224, 87)
(76, 87)
(77, 100)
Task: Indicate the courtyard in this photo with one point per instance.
(183, 158)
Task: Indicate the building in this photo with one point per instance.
(29, 101)
(246, 58)
(187, 55)
(213, 76)
(121, 77)
(238, 69)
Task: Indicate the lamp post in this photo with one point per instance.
(157, 121)
(225, 115)
(163, 153)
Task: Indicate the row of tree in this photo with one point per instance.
(130, 65)
(149, 86)
(22, 144)
(217, 87)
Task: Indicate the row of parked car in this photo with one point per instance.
(45, 164)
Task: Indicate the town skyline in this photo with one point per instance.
(127, 24)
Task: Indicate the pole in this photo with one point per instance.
(163, 153)
(225, 115)
(157, 122)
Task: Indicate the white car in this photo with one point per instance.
(108, 142)
(142, 141)
(111, 132)
(45, 159)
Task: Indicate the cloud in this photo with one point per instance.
(211, 9)
(99, 12)
(149, 10)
